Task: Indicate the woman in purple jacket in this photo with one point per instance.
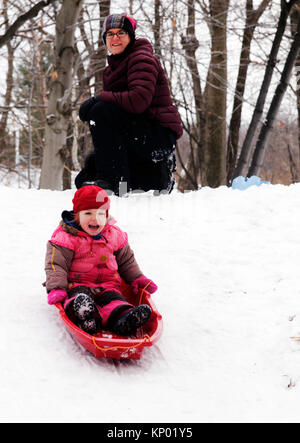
(133, 123)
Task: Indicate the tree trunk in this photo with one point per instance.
(41, 87)
(293, 165)
(99, 59)
(97, 55)
(256, 118)
(190, 45)
(294, 19)
(252, 17)
(260, 149)
(157, 28)
(59, 104)
(9, 82)
(215, 98)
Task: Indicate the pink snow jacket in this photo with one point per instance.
(135, 81)
(74, 258)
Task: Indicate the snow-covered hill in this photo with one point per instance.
(227, 266)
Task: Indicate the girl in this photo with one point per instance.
(85, 260)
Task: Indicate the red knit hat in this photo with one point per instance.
(90, 197)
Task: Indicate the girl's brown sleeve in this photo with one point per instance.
(127, 264)
(57, 264)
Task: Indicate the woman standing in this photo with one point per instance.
(133, 123)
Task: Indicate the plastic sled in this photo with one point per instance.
(105, 344)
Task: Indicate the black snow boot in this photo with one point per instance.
(84, 310)
(83, 307)
(132, 320)
(90, 325)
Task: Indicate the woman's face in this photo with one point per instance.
(117, 43)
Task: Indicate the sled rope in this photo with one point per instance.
(143, 290)
(146, 337)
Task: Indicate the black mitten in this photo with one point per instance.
(86, 106)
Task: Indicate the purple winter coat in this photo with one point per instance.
(135, 81)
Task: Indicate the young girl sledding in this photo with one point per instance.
(86, 258)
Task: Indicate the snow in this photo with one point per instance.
(227, 266)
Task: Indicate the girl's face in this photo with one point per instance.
(117, 43)
(92, 221)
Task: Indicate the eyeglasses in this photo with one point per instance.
(119, 34)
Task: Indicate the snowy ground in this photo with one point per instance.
(227, 266)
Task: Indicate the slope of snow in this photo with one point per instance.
(227, 266)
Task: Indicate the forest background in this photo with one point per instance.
(233, 68)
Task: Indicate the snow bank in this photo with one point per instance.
(227, 266)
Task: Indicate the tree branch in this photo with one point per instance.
(33, 12)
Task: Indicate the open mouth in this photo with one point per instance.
(94, 227)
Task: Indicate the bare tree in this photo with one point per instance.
(190, 45)
(207, 161)
(294, 19)
(215, 97)
(261, 145)
(259, 107)
(28, 15)
(98, 58)
(9, 80)
(59, 105)
(293, 165)
(96, 52)
(252, 18)
(157, 28)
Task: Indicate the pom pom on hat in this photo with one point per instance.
(90, 197)
(121, 21)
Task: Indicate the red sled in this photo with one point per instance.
(105, 344)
